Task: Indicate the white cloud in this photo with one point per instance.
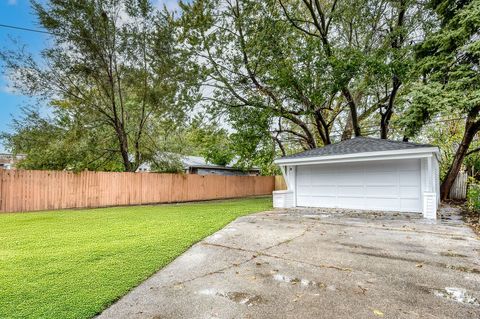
(12, 2)
(11, 81)
(172, 5)
(7, 86)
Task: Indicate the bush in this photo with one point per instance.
(473, 197)
(168, 163)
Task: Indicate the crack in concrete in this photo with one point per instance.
(218, 271)
(307, 229)
(256, 253)
(397, 229)
(294, 217)
(419, 261)
(308, 263)
(350, 245)
(264, 254)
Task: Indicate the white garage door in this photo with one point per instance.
(375, 185)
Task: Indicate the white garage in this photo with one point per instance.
(363, 173)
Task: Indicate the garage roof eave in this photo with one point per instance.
(364, 156)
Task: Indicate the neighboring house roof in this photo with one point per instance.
(357, 145)
(193, 161)
(198, 162)
(9, 160)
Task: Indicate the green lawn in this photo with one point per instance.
(74, 263)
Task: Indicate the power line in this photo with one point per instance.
(376, 129)
(333, 131)
(7, 26)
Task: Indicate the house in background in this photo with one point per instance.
(8, 161)
(198, 165)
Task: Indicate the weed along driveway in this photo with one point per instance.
(314, 263)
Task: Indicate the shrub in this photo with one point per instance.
(473, 197)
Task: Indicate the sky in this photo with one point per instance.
(19, 13)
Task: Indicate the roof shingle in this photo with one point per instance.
(357, 145)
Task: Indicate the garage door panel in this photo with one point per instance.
(407, 164)
(350, 178)
(322, 190)
(352, 202)
(380, 166)
(378, 185)
(409, 192)
(381, 191)
(317, 201)
(409, 204)
(303, 181)
(381, 178)
(389, 204)
(323, 179)
(377, 165)
(304, 175)
(350, 190)
(409, 178)
(302, 190)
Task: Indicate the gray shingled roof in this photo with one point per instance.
(357, 145)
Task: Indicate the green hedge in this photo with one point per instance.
(473, 197)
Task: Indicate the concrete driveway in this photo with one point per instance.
(318, 263)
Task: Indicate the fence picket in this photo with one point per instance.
(459, 187)
(42, 190)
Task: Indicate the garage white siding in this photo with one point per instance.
(393, 185)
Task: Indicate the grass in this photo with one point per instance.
(74, 263)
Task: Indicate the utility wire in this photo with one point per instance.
(24, 29)
(7, 26)
(339, 132)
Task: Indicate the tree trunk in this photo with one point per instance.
(387, 115)
(353, 111)
(384, 125)
(472, 127)
(280, 145)
(397, 43)
(347, 130)
(123, 145)
(322, 128)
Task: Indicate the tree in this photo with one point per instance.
(115, 63)
(310, 71)
(448, 61)
(61, 141)
(210, 141)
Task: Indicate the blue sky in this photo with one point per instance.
(19, 13)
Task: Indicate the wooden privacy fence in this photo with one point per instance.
(23, 190)
(280, 183)
(459, 187)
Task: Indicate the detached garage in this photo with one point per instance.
(363, 173)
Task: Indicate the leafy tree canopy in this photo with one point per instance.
(449, 78)
(114, 70)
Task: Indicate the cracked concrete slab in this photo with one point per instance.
(318, 263)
